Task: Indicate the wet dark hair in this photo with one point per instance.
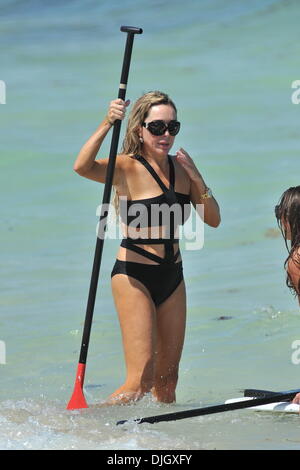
(287, 213)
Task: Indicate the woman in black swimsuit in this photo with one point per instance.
(153, 192)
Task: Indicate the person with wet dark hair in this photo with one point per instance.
(287, 213)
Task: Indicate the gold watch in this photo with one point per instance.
(207, 194)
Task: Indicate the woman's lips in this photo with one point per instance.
(164, 144)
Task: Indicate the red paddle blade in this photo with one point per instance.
(77, 399)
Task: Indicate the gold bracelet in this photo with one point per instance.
(207, 194)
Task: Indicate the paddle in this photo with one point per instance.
(257, 393)
(77, 399)
(280, 396)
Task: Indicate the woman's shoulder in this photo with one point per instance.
(293, 269)
(178, 167)
(124, 160)
(294, 260)
(126, 166)
(181, 174)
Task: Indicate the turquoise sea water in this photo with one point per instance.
(229, 66)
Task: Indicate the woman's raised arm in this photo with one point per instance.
(85, 163)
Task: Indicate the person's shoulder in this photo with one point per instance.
(180, 171)
(127, 169)
(293, 269)
(175, 162)
(293, 264)
(126, 164)
(124, 160)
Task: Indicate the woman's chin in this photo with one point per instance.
(163, 149)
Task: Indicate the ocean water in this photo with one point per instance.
(229, 66)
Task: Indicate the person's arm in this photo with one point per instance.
(293, 270)
(199, 189)
(85, 163)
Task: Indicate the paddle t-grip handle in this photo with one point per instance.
(131, 29)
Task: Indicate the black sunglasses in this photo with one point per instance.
(159, 127)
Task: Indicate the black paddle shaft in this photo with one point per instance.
(237, 405)
(131, 31)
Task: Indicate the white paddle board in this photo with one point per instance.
(281, 407)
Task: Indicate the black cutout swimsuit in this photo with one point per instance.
(163, 278)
